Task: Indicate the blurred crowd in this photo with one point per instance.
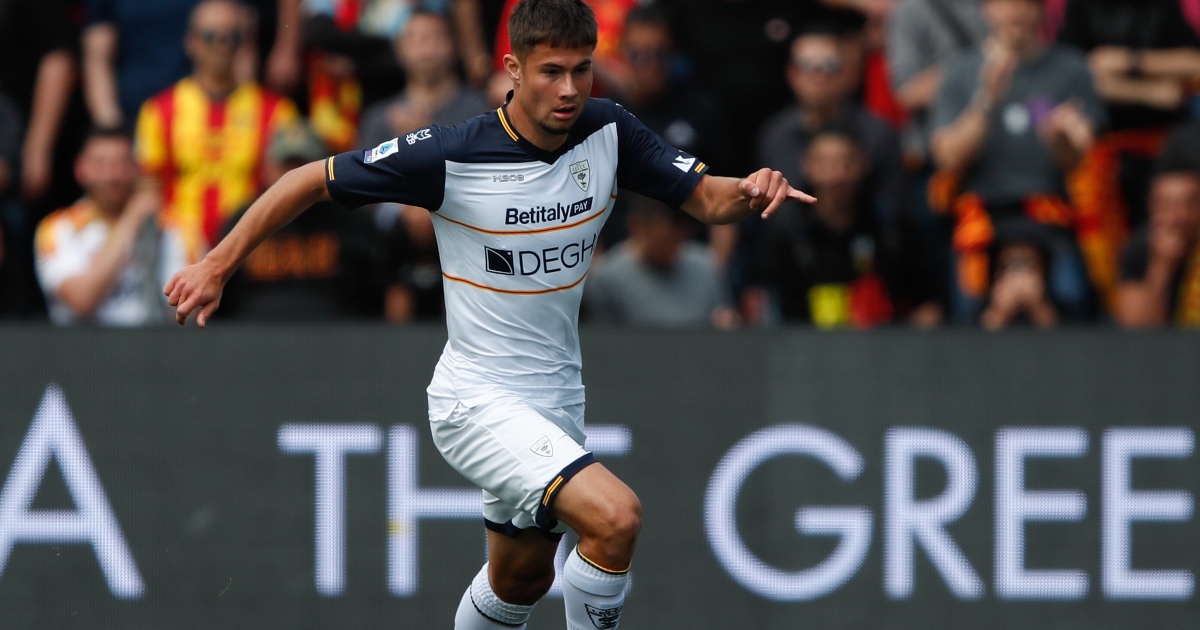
(990, 163)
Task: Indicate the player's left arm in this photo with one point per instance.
(723, 200)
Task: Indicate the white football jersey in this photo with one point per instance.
(516, 227)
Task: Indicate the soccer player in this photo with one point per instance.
(517, 196)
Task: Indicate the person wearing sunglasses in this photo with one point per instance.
(201, 141)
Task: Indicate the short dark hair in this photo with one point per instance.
(555, 23)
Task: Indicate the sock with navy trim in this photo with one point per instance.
(481, 609)
(593, 596)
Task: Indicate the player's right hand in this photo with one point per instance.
(194, 287)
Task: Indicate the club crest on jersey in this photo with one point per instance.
(604, 618)
(382, 151)
(543, 447)
(581, 174)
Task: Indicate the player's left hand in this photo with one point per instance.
(767, 190)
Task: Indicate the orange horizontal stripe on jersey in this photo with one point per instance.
(513, 291)
(700, 167)
(520, 232)
(500, 112)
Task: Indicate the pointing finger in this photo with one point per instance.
(800, 195)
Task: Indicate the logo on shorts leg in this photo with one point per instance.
(543, 447)
(604, 618)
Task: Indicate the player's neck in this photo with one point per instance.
(531, 131)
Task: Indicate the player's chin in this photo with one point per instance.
(558, 127)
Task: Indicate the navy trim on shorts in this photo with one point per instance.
(542, 517)
(512, 531)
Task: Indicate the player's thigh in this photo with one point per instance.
(597, 503)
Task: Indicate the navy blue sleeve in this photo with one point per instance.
(410, 170)
(647, 165)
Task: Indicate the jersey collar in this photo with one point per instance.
(549, 157)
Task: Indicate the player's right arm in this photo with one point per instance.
(199, 286)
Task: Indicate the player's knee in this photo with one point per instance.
(614, 532)
(522, 587)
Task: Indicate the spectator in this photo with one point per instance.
(414, 288)
(131, 51)
(38, 46)
(744, 77)
(1144, 57)
(1011, 118)
(476, 23)
(201, 141)
(324, 265)
(104, 260)
(822, 84)
(1020, 263)
(1182, 149)
(674, 107)
(659, 276)
(433, 93)
(921, 37)
(1160, 266)
(832, 264)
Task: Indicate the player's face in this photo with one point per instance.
(552, 86)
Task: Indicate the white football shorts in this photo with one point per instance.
(519, 453)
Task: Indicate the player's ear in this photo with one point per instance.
(512, 66)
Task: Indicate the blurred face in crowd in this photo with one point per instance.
(1015, 23)
(658, 235)
(1019, 258)
(648, 48)
(834, 165)
(426, 46)
(1175, 204)
(107, 172)
(214, 36)
(817, 70)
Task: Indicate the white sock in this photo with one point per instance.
(592, 596)
(481, 609)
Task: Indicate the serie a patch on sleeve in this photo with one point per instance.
(381, 151)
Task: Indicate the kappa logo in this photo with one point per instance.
(581, 174)
(544, 448)
(604, 618)
(500, 261)
(684, 164)
(382, 151)
(418, 135)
